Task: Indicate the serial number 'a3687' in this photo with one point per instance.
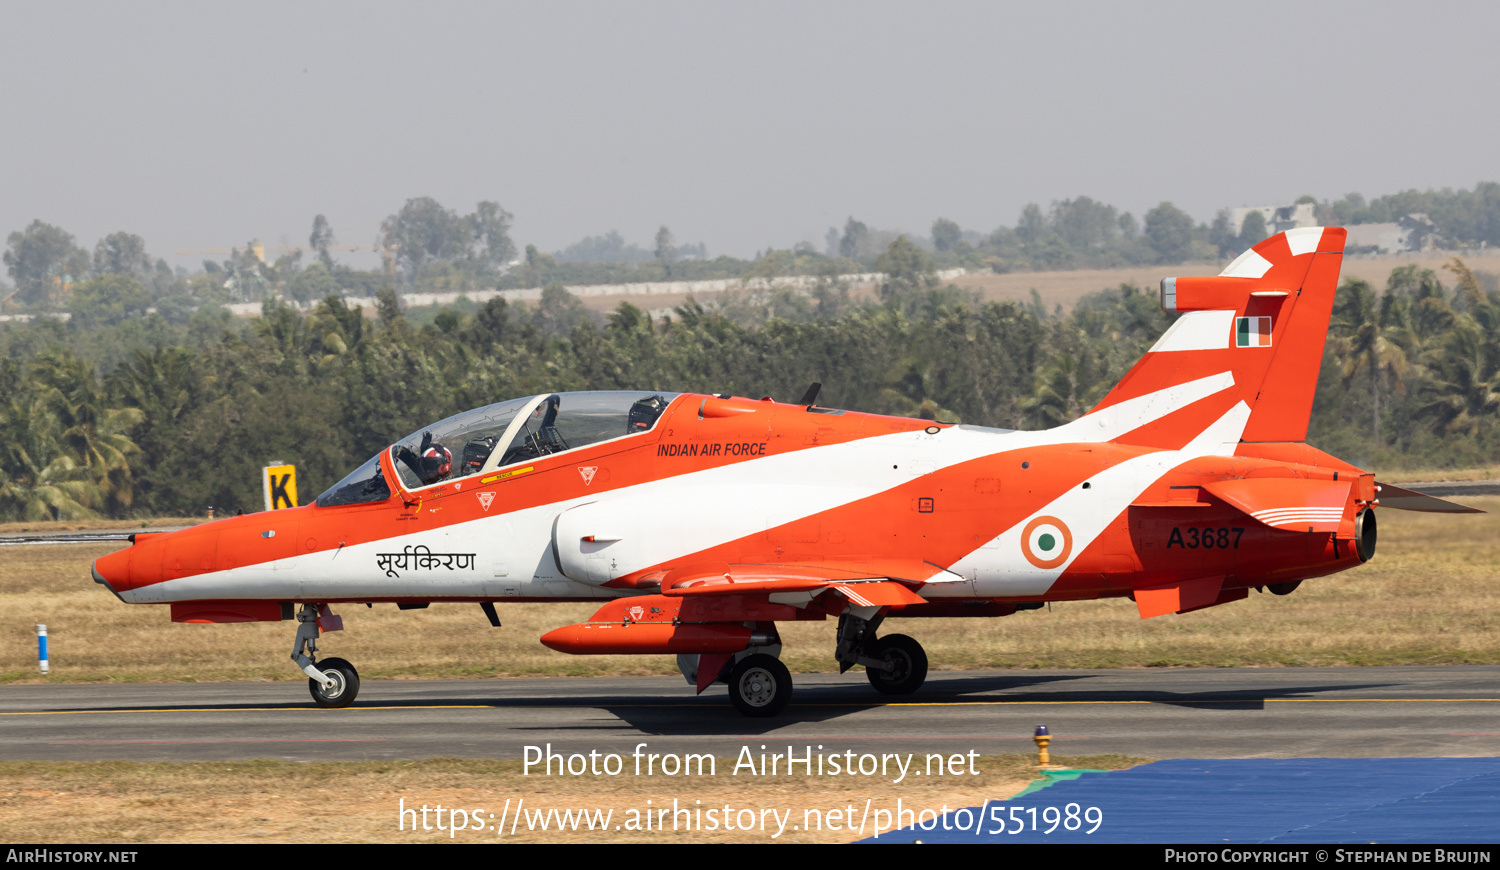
(1193, 537)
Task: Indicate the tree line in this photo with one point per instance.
(1085, 233)
(148, 416)
(427, 246)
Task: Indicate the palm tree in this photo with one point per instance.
(92, 436)
(1464, 389)
(1367, 344)
(1428, 312)
(166, 385)
(59, 491)
(37, 480)
(1059, 395)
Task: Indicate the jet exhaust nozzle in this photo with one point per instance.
(1365, 534)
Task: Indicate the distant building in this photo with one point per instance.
(1278, 218)
(1414, 232)
(1388, 238)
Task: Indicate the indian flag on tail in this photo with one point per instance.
(1252, 332)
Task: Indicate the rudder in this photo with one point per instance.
(1264, 319)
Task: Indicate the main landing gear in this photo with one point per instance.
(895, 664)
(906, 665)
(760, 685)
(332, 682)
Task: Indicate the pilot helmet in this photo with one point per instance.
(437, 461)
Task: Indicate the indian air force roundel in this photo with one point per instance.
(1046, 542)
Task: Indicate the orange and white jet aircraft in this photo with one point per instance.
(701, 521)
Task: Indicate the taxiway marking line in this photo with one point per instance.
(981, 737)
(176, 742)
(1181, 703)
(251, 709)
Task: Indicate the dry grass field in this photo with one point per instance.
(281, 802)
(1445, 474)
(50, 527)
(1067, 287)
(1431, 595)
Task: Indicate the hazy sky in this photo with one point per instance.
(742, 125)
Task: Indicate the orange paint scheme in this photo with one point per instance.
(699, 522)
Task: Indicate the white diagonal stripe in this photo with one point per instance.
(1000, 567)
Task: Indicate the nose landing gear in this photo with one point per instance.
(345, 684)
(335, 683)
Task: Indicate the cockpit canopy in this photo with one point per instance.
(502, 434)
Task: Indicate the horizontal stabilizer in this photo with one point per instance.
(1288, 503)
(1411, 500)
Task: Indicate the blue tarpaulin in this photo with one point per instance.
(1268, 801)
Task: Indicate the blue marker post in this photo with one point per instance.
(41, 646)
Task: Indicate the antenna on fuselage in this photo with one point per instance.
(811, 395)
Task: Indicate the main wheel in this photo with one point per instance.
(760, 686)
(345, 684)
(909, 662)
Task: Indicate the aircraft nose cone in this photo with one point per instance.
(137, 565)
(116, 566)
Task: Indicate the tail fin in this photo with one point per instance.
(1263, 320)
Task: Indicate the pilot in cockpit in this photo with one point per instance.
(469, 442)
(437, 463)
(432, 462)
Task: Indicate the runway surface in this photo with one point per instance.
(1159, 713)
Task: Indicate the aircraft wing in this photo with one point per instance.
(694, 612)
(1411, 500)
(879, 582)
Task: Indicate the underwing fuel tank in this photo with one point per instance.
(625, 638)
(652, 624)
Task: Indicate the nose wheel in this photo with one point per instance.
(345, 686)
(760, 686)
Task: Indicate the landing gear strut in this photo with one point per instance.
(335, 683)
(895, 664)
